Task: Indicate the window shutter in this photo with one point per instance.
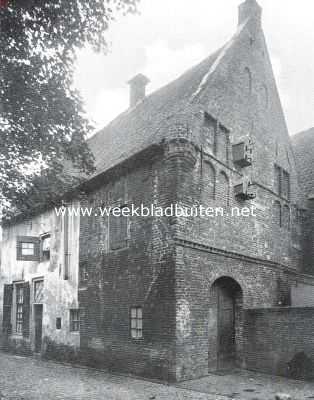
(7, 306)
(118, 232)
(26, 309)
(37, 249)
(277, 213)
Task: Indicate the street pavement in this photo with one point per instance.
(23, 378)
(28, 378)
(246, 385)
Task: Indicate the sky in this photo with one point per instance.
(167, 37)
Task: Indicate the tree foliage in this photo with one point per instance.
(43, 125)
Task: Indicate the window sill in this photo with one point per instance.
(137, 339)
(16, 336)
(118, 250)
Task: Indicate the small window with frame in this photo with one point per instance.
(75, 320)
(58, 323)
(38, 291)
(136, 317)
(27, 248)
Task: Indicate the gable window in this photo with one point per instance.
(209, 132)
(277, 182)
(27, 248)
(222, 145)
(247, 80)
(136, 322)
(74, 320)
(285, 184)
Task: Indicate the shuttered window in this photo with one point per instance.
(282, 182)
(16, 297)
(286, 217)
(7, 309)
(118, 230)
(285, 185)
(277, 180)
(277, 213)
(19, 296)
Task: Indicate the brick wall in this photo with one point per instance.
(139, 274)
(273, 337)
(197, 269)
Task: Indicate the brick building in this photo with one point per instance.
(169, 296)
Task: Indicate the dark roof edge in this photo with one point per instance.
(149, 153)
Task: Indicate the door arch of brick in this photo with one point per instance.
(225, 324)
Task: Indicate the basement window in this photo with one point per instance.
(136, 323)
(74, 320)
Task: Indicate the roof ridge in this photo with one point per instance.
(219, 58)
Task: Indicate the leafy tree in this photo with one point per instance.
(43, 125)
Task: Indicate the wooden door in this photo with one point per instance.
(226, 328)
(38, 317)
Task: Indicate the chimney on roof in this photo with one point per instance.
(250, 9)
(137, 88)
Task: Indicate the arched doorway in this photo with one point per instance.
(227, 299)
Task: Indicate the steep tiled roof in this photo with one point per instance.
(145, 124)
(303, 145)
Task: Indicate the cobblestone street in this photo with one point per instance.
(246, 385)
(33, 379)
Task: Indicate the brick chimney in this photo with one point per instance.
(250, 9)
(137, 88)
